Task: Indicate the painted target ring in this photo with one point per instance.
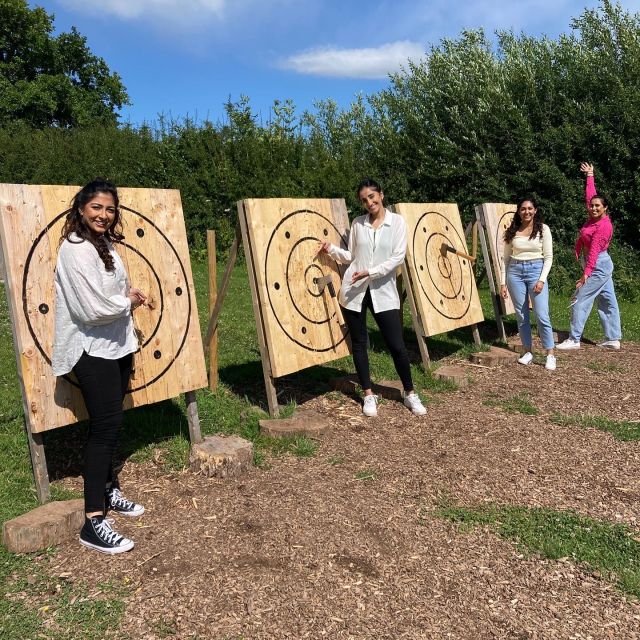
(293, 294)
(443, 278)
(503, 224)
(132, 255)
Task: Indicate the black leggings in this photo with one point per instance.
(104, 385)
(390, 327)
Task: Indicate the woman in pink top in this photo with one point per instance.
(596, 283)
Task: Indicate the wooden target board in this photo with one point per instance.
(443, 283)
(155, 254)
(298, 322)
(497, 218)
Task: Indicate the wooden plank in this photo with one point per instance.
(300, 323)
(416, 320)
(443, 282)
(155, 253)
(193, 419)
(497, 309)
(496, 219)
(269, 382)
(212, 344)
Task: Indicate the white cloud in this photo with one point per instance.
(334, 62)
(181, 11)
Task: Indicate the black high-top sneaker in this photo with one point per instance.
(97, 534)
(116, 502)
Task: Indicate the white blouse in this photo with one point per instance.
(380, 251)
(522, 248)
(93, 312)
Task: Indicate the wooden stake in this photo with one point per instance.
(415, 317)
(213, 320)
(192, 417)
(213, 297)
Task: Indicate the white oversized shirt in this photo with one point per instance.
(380, 251)
(93, 311)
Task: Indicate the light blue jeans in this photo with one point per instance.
(522, 276)
(599, 286)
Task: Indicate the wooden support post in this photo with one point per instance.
(39, 466)
(215, 313)
(213, 297)
(269, 382)
(195, 436)
(415, 317)
(476, 334)
(497, 308)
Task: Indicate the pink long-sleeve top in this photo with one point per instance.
(595, 235)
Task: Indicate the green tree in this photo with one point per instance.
(52, 80)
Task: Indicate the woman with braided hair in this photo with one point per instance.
(95, 339)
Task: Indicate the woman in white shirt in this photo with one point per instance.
(377, 246)
(528, 255)
(95, 338)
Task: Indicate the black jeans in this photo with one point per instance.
(104, 385)
(390, 327)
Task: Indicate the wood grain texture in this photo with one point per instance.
(443, 282)
(156, 257)
(497, 217)
(300, 325)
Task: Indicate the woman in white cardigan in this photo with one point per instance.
(528, 255)
(377, 246)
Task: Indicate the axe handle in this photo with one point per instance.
(461, 254)
(336, 304)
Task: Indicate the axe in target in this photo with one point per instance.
(445, 248)
(326, 282)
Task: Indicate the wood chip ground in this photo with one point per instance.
(347, 545)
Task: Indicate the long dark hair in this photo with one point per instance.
(368, 183)
(75, 224)
(538, 221)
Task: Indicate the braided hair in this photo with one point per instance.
(512, 229)
(75, 224)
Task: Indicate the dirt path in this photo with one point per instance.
(305, 549)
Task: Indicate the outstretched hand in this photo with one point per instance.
(137, 297)
(323, 247)
(587, 168)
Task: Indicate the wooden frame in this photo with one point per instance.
(170, 360)
(493, 219)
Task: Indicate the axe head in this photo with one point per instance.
(445, 248)
(326, 281)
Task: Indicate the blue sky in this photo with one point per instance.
(187, 57)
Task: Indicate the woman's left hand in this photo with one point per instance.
(359, 275)
(538, 286)
(581, 282)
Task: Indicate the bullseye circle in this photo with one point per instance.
(294, 297)
(442, 276)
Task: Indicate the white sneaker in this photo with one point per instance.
(413, 402)
(568, 344)
(527, 358)
(369, 407)
(551, 363)
(610, 344)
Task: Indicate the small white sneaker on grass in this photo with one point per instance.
(551, 363)
(568, 345)
(369, 406)
(610, 344)
(527, 358)
(413, 402)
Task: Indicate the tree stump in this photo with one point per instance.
(495, 356)
(221, 456)
(457, 375)
(43, 527)
(302, 423)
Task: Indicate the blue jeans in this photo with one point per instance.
(522, 276)
(599, 286)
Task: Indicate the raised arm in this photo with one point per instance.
(590, 184)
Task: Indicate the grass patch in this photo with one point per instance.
(335, 460)
(605, 367)
(366, 474)
(624, 430)
(519, 403)
(603, 549)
